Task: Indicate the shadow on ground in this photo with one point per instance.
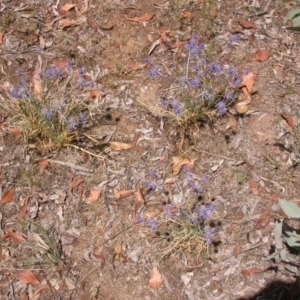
(278, 290)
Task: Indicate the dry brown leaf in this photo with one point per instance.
(247, 24)
(186, 14)
(23, 211)
(15, 131)
(37, 83)
(119, 195)
(262, 55)
(144, 18)
(23, 296)
(139, 195)
(40, 288)
(67, 23)
(251, 271)
(288, 119)
(17, 237)
(44, 163)
(177, 163)
(151, 213)
(1, 37)
(232, 121)
(135, 67)
(247, 83)
(93, 196)
(191, 164)
(61, 63)
(117, 252)
(93, 25)
(119, 146)
(237, 249)
(177, 44)
(67, 6)
(8, 196)
(251, 39)
(170, 180)
(241, 109)
(214, 11)
(76, 182)
(27, 276)
(155, 280)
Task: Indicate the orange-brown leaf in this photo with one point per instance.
(8, 196)
(177, 44)
(67, 23)
(144, 18)
(262, 55)
(117, 252)
(93, 196)
(214, 11)
(93, 25)
(23, 211)
(186, 14)
(37, 83)
(77, 181)
(288, 119)
(27, 277)
(15, 131)
(170, 180)
(67, 6)
(177, 163)
(155, 280)
(139, 195)
(40, 288)
(44, 163)
(17, 237)
(119, 146)
(61, 63)
(1, 37)
(247, 24)
(248, 82)
(119, 195)
(252, 271)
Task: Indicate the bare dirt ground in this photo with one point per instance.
(98, 250)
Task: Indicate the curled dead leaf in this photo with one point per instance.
(170, 180)
(288, 119)
(262, 55)
(44, 163)
(247, 83)
(155, 280)
(119, 195)
(8, 196)
(252, 271)
(241, 109)
(144, 18)
(75, 183)
(17, 237)
(67, 6)
(37, 83)
(27, 277)
(93, 196)
(24, 208)
(177, 44)
(119, 146)
(232, 121)
(117, 252)
(1, 37)
(177, 163)
(247, 24)
(139, 195)
(61, 63)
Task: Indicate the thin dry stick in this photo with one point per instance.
(71, 165)
(86, 151)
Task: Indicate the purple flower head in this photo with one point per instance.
(232, 72)
(147, 60)
(54, 72)
(215, 68)
(20, 90)
(193, 217)
(236, 82)
(164, 102)
(152, 174)
(194, 82)
(139, 219)
(194, 48)
(152, 223)
(205, 210)
(151, 185)
(72, 123)
(195, 36)
(208, 234)
(168, 213)
(18, 71)
(82, 117)
(205, 94)
(69, 64)
(47, 113)
(234, 37)
(221, 106)
(80, 71)
(176, 107)
(229, 96)
(185, 168)
(154, 72)
(197, 188)
(205, 179)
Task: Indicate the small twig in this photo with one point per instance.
(86, 151)
(71, 165)
(202, 151)
(262, 12)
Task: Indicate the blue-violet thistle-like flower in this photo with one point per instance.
(208, 233)
(221, 106)
(154, 72)
(234, 37)
(176, 107)
(215, 68)
(205, 210)
(152, 223)
(164, 103)
(73, 123)
(229, 96)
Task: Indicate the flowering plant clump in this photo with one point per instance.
(52, 115)
(182, 227)
(207, 87)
